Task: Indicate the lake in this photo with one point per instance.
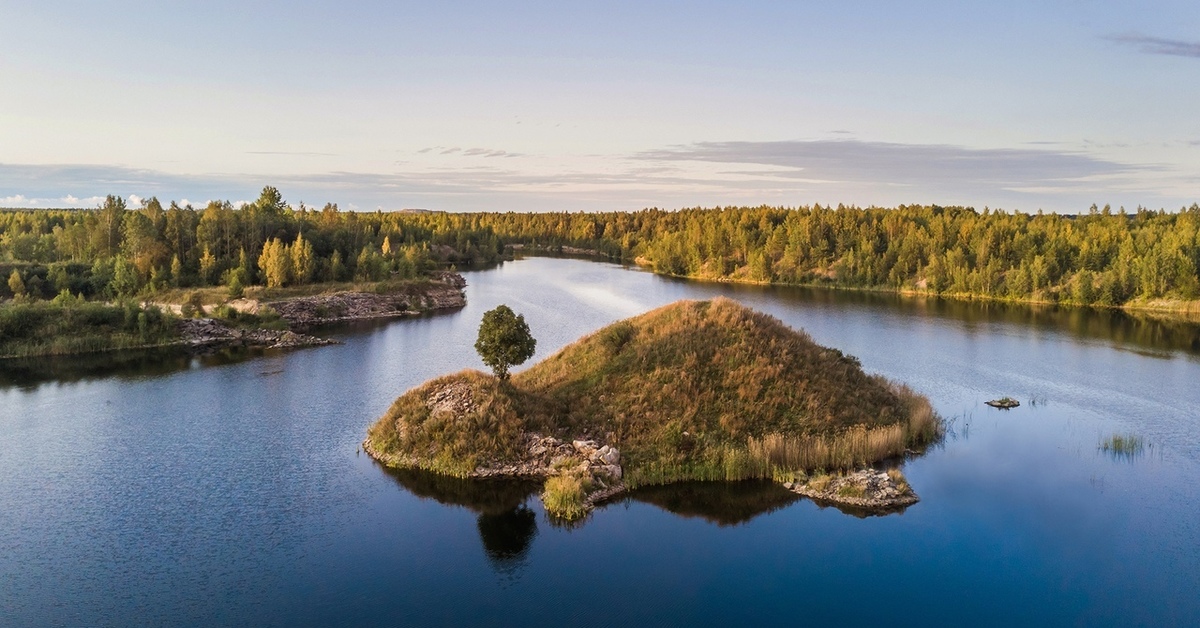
(230, 490)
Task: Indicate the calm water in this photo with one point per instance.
(231, 490)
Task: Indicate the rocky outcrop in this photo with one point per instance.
(202, 332)
(538, 456)
(868, 489)
(546, 456)
(1003, 403)
(443, 291)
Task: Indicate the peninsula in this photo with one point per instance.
(696, 390)
(208, 319)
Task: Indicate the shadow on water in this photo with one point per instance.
(132, 364)
(488, 497)
(1156, 334)
(140, 363)
(507, 536)
(507, 526)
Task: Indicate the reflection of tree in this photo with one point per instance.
(1126, 329)
(507, 536)
(506, 525)
(492, 497)
(128, 364)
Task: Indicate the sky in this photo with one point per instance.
(571, 106)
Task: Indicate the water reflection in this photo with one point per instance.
(1153, 331)
(507, 526)
(30, 373)
(722, 503)
(507, 536)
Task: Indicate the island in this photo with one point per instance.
(695, 390)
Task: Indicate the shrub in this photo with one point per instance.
(564, 495)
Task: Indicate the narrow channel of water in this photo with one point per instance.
(230, 490)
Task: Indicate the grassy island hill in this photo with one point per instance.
(696, 390)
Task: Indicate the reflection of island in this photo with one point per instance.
(735, 503)
(506, 525)
(722, 503)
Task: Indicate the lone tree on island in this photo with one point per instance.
(504, 340)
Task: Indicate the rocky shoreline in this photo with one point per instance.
(543, 456)
(209, 333)
(867, 489)
(443, 291)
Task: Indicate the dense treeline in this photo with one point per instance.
(115, 252)
(1102, 257)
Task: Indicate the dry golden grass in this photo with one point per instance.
(564, 495)
(820, 482)
(901, 482)
(694, 390)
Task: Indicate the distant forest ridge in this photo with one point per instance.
(1102, 257)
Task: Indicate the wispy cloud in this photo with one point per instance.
(704, 173)
(468, 152)
(487, 152)
(852, 161)
(1158, 45)
(290, 153)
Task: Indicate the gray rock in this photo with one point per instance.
(613, 471)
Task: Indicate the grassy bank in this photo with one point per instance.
(691, 391)
(70, 326)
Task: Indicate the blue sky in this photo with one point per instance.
(606, 106)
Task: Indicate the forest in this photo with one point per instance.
(1100, 257)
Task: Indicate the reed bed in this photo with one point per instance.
(564, 495)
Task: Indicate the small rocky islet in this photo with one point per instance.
(696, 390)
(1003, 403)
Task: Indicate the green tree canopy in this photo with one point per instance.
(504, 340)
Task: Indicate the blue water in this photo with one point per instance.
(232, 492)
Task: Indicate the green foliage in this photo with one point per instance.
(504, 340)
(1101, 258)
(69, 325)
(186, 246)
